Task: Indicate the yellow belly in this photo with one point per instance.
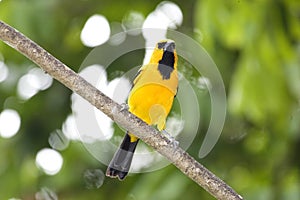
(152, 103)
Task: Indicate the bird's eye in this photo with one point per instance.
(161, 45)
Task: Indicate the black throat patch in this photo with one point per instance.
(166, 64)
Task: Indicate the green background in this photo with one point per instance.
(255, 45)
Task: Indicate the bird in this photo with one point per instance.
(150, 98)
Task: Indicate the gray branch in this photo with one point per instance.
(181, 159)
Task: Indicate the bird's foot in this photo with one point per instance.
(174, 142)
(124, 106)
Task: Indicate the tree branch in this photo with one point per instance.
(182, 160)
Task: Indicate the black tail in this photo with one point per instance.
(120, 164)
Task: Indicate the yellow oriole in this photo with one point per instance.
(150, 99)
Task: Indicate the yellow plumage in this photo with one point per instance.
(150, 99)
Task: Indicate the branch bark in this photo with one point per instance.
(59, 71)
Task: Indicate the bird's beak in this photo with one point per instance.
(170, 46)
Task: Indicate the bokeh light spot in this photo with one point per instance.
(174, 125)
(133, 20)
(93, 178)
(46, 194)
(69, 128)
(96, 31)
(3, 71)
(203, 83)
(32, 82)
(166, 15)
(10, 122)
(49, 160)
(101, 127)
(172, 13)
(58, 140)
(25, 89)
(40, 80)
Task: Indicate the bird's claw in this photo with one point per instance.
(124, 106)
(174, 142)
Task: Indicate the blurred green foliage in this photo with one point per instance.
(255, 44)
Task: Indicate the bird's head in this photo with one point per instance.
(165, 53)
